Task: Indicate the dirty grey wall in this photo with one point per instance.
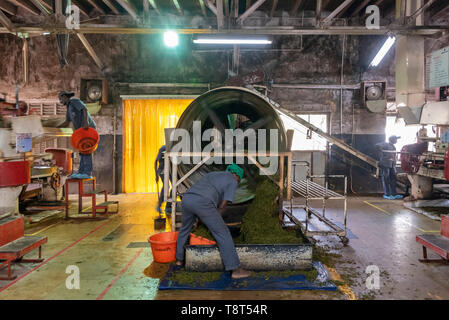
(143, 58)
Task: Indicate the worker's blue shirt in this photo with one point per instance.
(386, 159)
(75, 114)
(215, 186)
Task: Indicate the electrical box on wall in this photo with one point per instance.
(374, 95)
(94, 91)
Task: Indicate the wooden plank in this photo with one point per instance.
(203, 8)
(8, 7)
(91, 51)
(226, 7)
(178, 6)
(58, 7)
(248, 12)
(440, 13)
(274, 6)
(4, 20)
(154, 5)
(339, 10)
(94, 4)
(38, 4)
(363, 5)
(129, 8)
(319, 5)
(83, 9)
(211, 6)
(112, 6)
(220, 19)
(295, 8)
(23, 4)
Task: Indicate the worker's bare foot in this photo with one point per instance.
(240, 273)
(179, 263)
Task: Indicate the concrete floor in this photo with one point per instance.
(384, 235)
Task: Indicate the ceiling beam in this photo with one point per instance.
(154, 5)
(220, 19)
(111, 6)
(8, 7)
(38, 4)
(26, 6)
(91, 51)
(420, 11)
(273, 7)
(178, 6)
(295, 8)
(211, 6)
(226, 7)
(94, 4)
(127, 5)
(58, 7)
(25, 54)
(440, 13)
(4, 20)
(47, 4)
(83, 9)
(379, 2)
(319, 6)
(363, 5)
(203, 8)
(250, 10)
(332, 30)
(340, 9)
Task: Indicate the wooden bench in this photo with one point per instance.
(14, 245)
(437, 243)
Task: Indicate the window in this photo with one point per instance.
(300, 140)
(396, 126)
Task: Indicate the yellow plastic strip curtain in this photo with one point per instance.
(143, 134)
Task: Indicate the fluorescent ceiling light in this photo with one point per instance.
(232, 41)
(383, 51)
(171, 39)
(46, 33)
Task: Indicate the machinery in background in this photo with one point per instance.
(421, 165)
(374, 95)
(26, 175)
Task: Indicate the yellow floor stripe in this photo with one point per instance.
(46, 228)
(380, 209)
(402, 220)
(344, 287)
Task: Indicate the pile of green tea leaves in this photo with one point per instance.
(309, 274)
(194, 278)
(260, 223)
(436, 210)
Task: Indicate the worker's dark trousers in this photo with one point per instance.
(85, 164)
(197, 206)
(388, 177)
(161, 196)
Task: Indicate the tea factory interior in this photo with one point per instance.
(224, 149)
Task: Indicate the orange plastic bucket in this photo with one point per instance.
(85, 141)
(163, 246)
(197, 240)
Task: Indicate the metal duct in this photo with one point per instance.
(224, 108)
(62, 41)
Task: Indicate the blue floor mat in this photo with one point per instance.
(255, 282)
